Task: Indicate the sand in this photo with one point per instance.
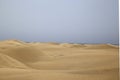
(58, 61)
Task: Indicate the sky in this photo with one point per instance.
(71, 21)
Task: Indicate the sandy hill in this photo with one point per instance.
(7, 44)
(55, 61)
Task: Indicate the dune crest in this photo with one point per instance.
(12, 41)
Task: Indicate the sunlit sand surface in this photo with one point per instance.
(54, 61)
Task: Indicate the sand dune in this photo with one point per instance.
(55, 61)
(12, 42)
(101, 46)
(72, 45)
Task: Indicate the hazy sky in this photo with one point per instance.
(75, 21)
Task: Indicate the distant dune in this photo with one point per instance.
(101, 46)
(58, 61)
(72, 45)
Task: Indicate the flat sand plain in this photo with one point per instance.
(58, 61)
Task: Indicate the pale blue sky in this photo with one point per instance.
(74, 21)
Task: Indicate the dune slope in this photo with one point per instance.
(8, 62)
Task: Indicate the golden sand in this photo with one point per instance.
(55, 61)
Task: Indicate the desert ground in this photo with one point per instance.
(58, 61)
